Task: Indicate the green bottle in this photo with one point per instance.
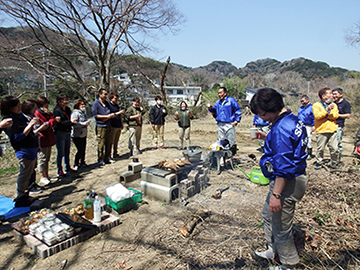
(89, 207)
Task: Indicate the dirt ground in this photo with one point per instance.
(149, 237)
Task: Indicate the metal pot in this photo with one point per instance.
(192, 155)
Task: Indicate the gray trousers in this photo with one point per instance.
(278, 226)
(26, 169)
(329, 139)
(184, 134)
(339, 135)
(134, 137)
(227, 131)
(309, 132)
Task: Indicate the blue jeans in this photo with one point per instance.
(63, 150)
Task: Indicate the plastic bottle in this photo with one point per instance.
(97, 209)
(89, 208)
(93, 194)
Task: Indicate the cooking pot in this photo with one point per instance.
(192, 155)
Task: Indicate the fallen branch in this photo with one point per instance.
(188, 228)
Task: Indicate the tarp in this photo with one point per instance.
(8, 209)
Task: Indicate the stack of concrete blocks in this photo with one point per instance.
(133, 172)
(197, 179)
(159, 184)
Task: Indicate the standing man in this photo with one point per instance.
(263, 126)
(306, 115)
(228, 115)
(325, 114)
(134, 116)
(102, 114)
(344, 108)
(116, 122)
(157, 116)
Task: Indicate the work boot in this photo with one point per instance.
(268, 254)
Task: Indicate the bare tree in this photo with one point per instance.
(69, 33)
(352, 36)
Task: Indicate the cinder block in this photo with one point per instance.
(167, 181)
(129, 176)
(192, 175)
(164, 194)
(135, 167)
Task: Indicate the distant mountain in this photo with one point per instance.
(308, 68)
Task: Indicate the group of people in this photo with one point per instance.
(285, 140)
(286, 144)
(327, 118)
(33, 129)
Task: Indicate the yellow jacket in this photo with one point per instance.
(325, 122)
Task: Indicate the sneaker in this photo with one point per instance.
(180, 148)
(163, 147)
(61, 174)
(139, 151)
(267, 254)
(70, 170)
(75, 167)
(111, 160)
(83, 165)
(334, 165)
(52, 180)
(35, 189)
(317, 166)
(154, 147)
(44, 181)
(101, 162)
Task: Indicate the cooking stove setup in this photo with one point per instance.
(169, 184)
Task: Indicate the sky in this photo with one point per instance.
(241, 31)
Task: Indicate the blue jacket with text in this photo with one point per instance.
(284, 151)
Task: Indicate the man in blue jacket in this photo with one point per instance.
(306, 115)
(263, 126)
(228, 115)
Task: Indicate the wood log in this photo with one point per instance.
(188, 228)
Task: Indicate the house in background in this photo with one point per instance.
(250, 92)
(176, 94)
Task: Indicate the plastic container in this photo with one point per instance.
(120, 205)
(97, 210)
(256, 176)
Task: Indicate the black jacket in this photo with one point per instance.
(65, 124)
(156, 115)
(19, 124)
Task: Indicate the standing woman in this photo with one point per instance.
(79, 132)
(46, 137)
(183, 116)
(25, 143)
(284, 163)
(62, 134)
(28, 108)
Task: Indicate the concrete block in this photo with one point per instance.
(164, 194)
(193, 175)
(167, 181)
(135, 167)
(129, 176)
